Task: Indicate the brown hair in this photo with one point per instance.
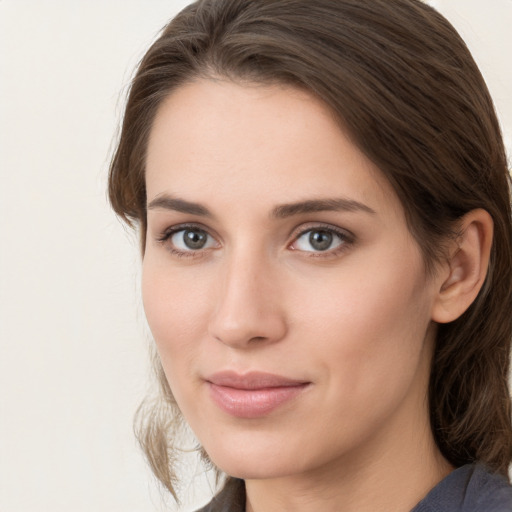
(403, 83)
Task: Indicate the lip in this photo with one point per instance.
(254, 394)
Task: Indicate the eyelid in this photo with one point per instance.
(311, 226)
(170, 230)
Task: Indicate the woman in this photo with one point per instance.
(324, 210)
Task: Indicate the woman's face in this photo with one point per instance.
(287, 297)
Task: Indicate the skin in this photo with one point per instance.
(355, 321)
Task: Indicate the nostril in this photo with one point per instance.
(258, 338)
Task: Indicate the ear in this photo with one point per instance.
(462, 276)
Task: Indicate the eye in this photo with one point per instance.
(320, 240)
(190, 239)
(182, 240)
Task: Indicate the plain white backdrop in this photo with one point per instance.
(73, 343)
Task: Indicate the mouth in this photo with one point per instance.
(254, 394)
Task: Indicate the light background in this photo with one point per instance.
(73, 345)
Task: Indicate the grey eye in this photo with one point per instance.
(191, 240)
(318, 240)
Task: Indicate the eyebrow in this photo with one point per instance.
(320, 205)
(283, 211)
(178, 205)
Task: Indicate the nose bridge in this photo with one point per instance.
(247, 308)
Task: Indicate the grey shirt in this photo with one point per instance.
(470, 488)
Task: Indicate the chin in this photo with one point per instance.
(256, 469)
(259, 456)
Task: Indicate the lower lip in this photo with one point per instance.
(253, 403)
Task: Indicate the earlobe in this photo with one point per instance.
(466, 267)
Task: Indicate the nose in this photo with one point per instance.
(248, 310)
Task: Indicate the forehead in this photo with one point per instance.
(283, 144)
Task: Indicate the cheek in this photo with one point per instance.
(174, 312)
(370, 325)
(173, 320)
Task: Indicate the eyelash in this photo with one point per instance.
(346, 240)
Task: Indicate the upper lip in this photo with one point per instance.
(252, 380)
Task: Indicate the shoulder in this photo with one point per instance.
(471, 488)
(230, 499)
(490, 492)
